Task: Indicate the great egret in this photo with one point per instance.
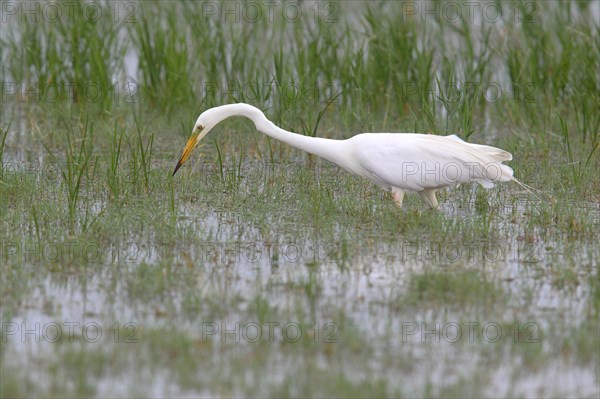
(397, 162)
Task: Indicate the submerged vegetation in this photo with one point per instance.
(261, 271)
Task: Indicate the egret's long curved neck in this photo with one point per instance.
(332, 150)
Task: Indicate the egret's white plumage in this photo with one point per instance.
(397, 162)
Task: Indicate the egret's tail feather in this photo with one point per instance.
(497, 154)
(531, 190)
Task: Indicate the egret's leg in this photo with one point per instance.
(398, 196)
(428, 196)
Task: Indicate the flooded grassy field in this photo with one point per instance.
(259, 270)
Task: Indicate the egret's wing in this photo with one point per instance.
(414, 162)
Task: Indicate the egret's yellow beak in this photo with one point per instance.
(189, 147)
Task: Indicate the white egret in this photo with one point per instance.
(397, 162)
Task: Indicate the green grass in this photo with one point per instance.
(3, 135)
(94, 228)
(78, 157)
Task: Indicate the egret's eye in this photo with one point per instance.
(199, 127)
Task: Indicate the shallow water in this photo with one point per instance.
(231, 260)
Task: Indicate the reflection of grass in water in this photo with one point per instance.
(455, 290)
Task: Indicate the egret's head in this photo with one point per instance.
(209, 119)
(203, 125)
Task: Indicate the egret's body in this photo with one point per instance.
(397, 162)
